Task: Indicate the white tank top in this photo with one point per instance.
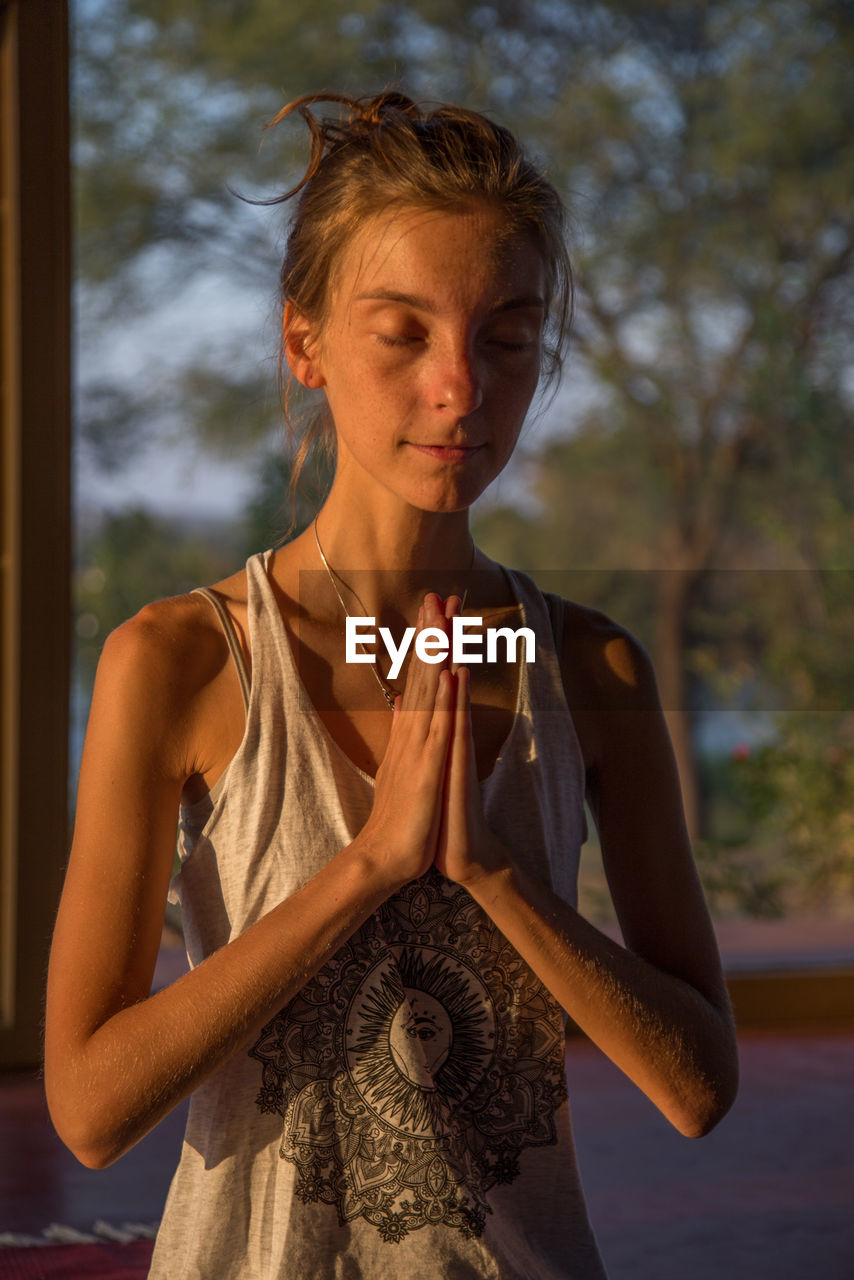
(406, 1114)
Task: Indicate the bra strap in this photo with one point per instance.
(231, 636)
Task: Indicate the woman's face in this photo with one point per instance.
(430, 353)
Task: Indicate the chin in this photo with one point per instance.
(451, 496)
(445, 504)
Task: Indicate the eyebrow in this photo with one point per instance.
(422, 304)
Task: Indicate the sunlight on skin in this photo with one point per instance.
(619, 659)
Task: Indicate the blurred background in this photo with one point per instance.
(692, 476)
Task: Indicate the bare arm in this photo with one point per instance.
(657, 1007)
(116, 1058)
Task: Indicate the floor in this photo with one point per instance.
(769, 1195)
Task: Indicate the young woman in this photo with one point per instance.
(378, 874)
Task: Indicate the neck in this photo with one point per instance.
(384, 559)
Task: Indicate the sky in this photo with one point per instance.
(171, 472)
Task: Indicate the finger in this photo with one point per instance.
(465, 760)
(415, 686)
(470, 727)
(455, 779)
(462, 784)
(441, 731)
(422, 678)
(457, 744)
(444, 710)
(464, 695)
(462, 719)
(422, 757)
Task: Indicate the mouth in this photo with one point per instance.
(448, 452)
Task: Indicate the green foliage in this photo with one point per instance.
(275, 515)
(707, 152)
(784, 832)
(783, 828)
(229, 410)
(130, 559)
(593, 537)
(799, 788)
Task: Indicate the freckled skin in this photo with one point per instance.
(429, 354)
(421, 352)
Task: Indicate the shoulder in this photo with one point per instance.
(604, 667)
(156, 673)
(609, 683)
(179, 637)
(176, 639)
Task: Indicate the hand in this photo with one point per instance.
(466, 850)
(403, 828)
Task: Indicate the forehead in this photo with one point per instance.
(454, 257)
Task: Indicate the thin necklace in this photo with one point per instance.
(385, 689)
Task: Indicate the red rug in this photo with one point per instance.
(107, 1261)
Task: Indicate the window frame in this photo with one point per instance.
(35, 479)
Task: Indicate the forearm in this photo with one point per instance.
(676, 1044)
(108, 1087)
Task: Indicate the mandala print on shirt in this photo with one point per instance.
(415, 1066)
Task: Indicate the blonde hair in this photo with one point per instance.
(386, 151)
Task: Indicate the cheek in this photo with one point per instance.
(366, 421)
(508, 446)
(371, 403)
(513, 398)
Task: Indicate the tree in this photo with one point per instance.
(715, 144)
(708, 151)
(129, 559)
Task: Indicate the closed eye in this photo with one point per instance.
(391, 340)
(516, 343)
(515, 337)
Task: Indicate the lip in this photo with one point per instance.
(447, 452)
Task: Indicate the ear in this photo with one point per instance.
(302, 347)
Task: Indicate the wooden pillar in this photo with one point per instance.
(35, 487)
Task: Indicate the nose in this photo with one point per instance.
(457, 381)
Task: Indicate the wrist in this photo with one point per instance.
(493, 870)
(376, 866)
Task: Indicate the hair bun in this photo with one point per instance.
(373, 110)
(327, 133)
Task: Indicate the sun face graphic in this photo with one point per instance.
(420, 1033)
(414, 1068)
(420, 1038)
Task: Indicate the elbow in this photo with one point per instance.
(701, 1123)
(94, 1150)
(85, 1131)
(708, 1104)
(93, 1157)
(712, 1080)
